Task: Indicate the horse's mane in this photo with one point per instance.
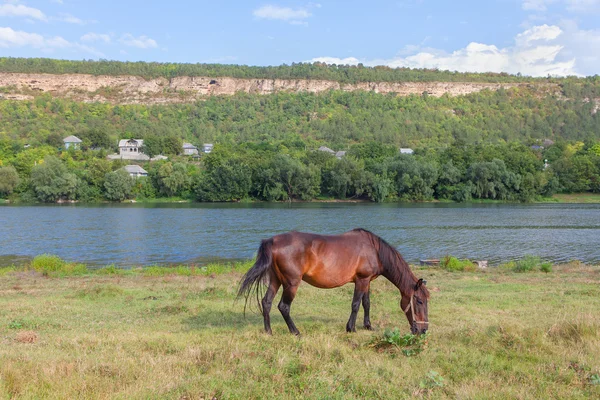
(395, 268)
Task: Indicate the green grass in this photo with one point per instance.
(152, 335)
(573, 198)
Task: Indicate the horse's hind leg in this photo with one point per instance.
(267, 301)
(284, 306)
(360, 288)
(366, 302)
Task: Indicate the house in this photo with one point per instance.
(189, 149)
(135, 171)
(72, 142)
(131, 149)
(340, 154)
(207, 147)
(129, 146)
(326, 150)
(548, 142)
(536, 147)
(406, 151)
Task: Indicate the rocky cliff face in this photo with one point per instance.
(137, 90)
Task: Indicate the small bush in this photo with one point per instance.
(47, 263)
(454, 264)
(527, 264)
(51, 265)
(546, 267)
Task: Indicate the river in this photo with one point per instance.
(137, 234)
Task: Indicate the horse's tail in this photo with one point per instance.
(256, 275)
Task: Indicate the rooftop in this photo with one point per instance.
(72, 139)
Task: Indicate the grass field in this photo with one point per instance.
(157, 334)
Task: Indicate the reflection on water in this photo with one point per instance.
(182, 233)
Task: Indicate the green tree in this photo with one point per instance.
(9, 179)
(224, 181)
(51, 181)
(173, 179)
(118, 185)
(96, 138)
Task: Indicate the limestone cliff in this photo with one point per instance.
(137, 90)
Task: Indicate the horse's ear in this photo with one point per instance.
(419, 283)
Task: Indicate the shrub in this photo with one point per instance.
(454, 264)
(46, 263)
(51, 265)
(546, 267)
(527, 264)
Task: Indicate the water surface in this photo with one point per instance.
(135, 234)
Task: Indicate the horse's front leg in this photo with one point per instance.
(361, 287)
(366, 302)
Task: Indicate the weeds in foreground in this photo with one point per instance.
(410, 345)
(431, 381)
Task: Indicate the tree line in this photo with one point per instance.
(286, 171)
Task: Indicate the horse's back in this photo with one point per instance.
(324, 260)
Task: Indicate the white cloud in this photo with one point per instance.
(10, 38)
(538, 33)
(293, 16)
(539, 51)
(95, 37)
(71, 19)
(19, 10)
(141, 42)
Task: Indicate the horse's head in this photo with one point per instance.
(415, 307)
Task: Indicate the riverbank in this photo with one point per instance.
(147, 334)
(571, 198)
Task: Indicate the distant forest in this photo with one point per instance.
(336, 119)
(572, 86)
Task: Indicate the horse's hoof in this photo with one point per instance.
(368, 327)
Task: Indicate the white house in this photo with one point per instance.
(72, 142)
(340, 154)
(207, 147)
(129, 146)
(326, 150)
(131, 149)
(406, 151)
(189, 149)
(135, 171)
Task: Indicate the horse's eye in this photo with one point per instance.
(419, 301)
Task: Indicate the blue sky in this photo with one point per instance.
(533, 37)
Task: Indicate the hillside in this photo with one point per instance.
(475, 136)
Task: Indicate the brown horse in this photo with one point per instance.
(326, 262)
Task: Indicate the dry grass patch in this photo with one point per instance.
(27, 337)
